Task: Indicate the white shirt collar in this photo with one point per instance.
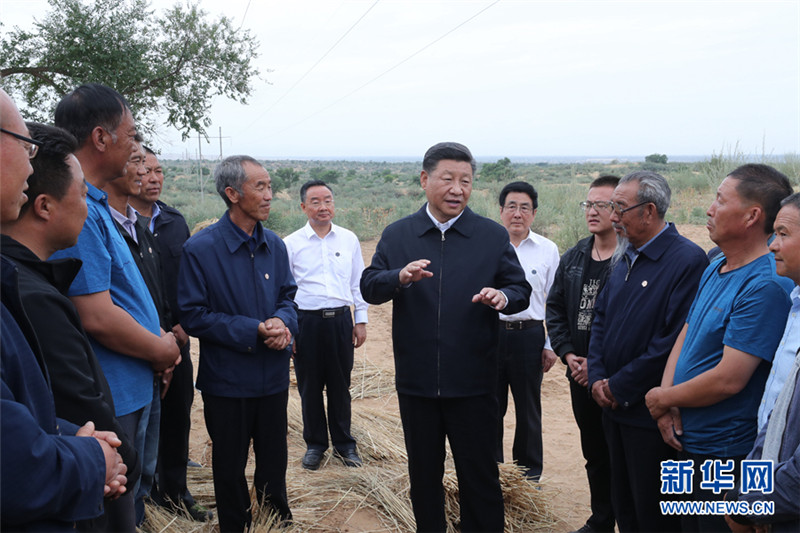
(309, 232)
(443, 226)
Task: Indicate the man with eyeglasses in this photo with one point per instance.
(523, 350)
(16, 168)
(707, 404)
(52, 219)
(581, 275)
(111, 296)
(326, 263)
(52, 473)
(638, 316)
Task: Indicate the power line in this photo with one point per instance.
(245, 14)
(385, 72)
(276, 102)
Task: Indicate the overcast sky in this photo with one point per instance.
(507, 78)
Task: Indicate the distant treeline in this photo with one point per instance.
(369, 195)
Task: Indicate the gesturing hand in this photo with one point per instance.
(491, 297)
(414, 271)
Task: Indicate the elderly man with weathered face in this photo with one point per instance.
(717, 369)
(448, 272)
(638, 316)
(236, 294)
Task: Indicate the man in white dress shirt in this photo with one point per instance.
(524, 351)
(326, 263)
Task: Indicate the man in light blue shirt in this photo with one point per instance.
(784, 356)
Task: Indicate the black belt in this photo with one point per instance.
(327, 313)
(520, 324)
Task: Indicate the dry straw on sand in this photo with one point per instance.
(325, 500)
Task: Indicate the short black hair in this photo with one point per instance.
(89, 106)
(447, 150)
(51, 173)
(792, 200)
(148, 150)
(312, 183)
(606, 180)
(519, 186)
(765, 186)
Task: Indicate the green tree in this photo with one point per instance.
(656, 158)
(500, 171)
(285, 177)
(321, 173)
(172, 64)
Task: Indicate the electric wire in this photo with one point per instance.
(340, 39)
(387, 71)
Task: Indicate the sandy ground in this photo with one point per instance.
(564, 477)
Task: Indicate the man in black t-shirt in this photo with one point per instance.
(580, 277)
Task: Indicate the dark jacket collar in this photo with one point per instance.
(58, 272)
(235, 237)
(656, 248)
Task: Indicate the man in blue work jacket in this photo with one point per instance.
(448, 272)
(638, 316)
(236, 294)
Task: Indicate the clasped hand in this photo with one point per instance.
(275, 333)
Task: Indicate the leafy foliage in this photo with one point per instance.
(326, 175)
(500, 171)
(656, 158)
(284, 178)
(174, 63)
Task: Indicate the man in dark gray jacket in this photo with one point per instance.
(438, 266)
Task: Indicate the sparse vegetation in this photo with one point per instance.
(370, 195)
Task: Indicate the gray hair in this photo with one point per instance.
(653, 188)
(619, 251)
(230, 173)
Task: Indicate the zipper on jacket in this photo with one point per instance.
(439, 324)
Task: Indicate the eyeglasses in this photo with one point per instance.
(600, 206)
(524, 209)
(620, 211)
(31, 145)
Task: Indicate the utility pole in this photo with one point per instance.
(200, 169)
(201, 162)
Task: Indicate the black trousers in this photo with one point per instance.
(706, 523)
(636, 454)
(324, 360)
(173, 445)
(589, 417)
(118, 515)
(520, 368)
(231, 424)
(468, 424)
